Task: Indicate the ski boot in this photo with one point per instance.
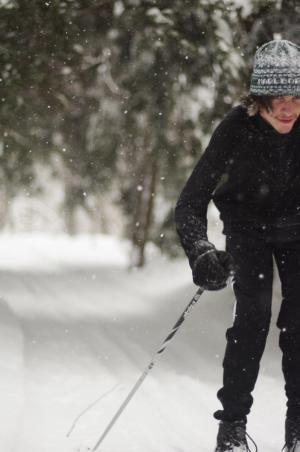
(232, 437)
(292, 435)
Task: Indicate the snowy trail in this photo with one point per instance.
(11, 377)
(76, 328)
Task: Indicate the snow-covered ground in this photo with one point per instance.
(77, 325)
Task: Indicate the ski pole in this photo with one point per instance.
(150, 366)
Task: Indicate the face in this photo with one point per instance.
(283, 113)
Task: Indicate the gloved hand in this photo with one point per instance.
(212, 268)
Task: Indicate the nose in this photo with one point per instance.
(288, 104)
(288, 107)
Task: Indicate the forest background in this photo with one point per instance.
(106, 106)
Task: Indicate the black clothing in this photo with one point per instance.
(212, 267)
(292, 435)
(252, 173)
(246, 339)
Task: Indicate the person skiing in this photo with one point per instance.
(251, 170)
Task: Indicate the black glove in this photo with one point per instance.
(212, 267)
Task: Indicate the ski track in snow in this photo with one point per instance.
(77, 324)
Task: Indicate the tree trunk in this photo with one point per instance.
(69, 209)
(143, 213)
(98, 215)
(6, 218)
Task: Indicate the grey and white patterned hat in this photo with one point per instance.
(276, 69)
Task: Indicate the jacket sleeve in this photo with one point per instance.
(191, 207)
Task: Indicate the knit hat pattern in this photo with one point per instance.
(276, 69)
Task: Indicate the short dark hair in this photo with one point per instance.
(254, 103)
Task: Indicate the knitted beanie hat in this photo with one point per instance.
(276, 70)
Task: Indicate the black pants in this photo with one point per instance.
(246, 339)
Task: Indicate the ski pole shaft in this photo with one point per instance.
(150, 366)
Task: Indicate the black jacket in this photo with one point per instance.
(252, 173)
